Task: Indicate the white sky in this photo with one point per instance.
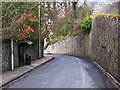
(99, 1)
(105, 1)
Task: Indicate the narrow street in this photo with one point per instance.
(64, 72)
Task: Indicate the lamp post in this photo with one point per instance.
(39, 31)
(12, 56)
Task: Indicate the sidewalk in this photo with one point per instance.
(9, 76)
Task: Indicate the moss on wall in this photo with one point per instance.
(105, 15)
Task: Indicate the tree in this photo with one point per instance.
(17, 20)
(74, 9)
(23, 31)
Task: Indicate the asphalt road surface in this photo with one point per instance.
(64, 72)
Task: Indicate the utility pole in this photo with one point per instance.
(39, 32)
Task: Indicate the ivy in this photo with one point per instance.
(86, 27)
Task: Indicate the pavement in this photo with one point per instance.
(64, 72)
(10, 76)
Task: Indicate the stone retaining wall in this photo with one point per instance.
(102, 45)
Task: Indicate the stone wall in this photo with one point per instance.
(6, 54)
(104, 44)
(68, 46)
(101, 45)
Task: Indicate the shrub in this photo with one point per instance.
(49, 43)
(86, 27)
(65, 30)
(52, 36)
(45, 47)
(74, 33)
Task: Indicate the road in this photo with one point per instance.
(64, 72)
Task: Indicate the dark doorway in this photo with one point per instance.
(21, 55)
(21, 51)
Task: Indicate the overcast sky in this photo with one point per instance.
(99, 0)
(106, 1)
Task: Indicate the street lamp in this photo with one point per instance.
(39, 31)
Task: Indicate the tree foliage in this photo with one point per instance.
(19, 20)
